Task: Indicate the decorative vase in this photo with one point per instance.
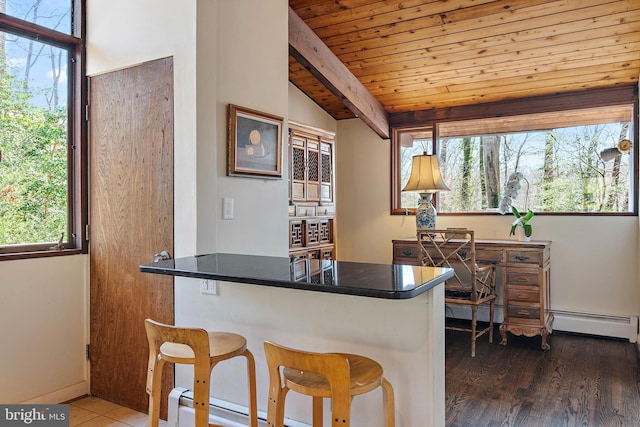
(425, 213)
(521, 236)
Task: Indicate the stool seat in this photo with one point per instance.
(339, 376)
(365, 375)
(222, 346)
(203, 350)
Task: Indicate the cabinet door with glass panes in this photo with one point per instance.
(311, 192)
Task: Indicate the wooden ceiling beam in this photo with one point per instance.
(536, 104)
(308, 49)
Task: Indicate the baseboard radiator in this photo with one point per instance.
(584, 323)
(227, 414)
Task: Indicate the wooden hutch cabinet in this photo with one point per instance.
(311, 192)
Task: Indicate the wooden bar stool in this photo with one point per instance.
(194, 346)
(335, 375)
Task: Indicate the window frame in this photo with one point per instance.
(403, 122)
(77, 210)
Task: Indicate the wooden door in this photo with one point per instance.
(131, 219)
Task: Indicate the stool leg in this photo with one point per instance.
(201, 378)
(154, 387)
(251, 375)
(275, 409)
(388, 402)
(317, 412)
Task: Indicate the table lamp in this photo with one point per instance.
(426, 178)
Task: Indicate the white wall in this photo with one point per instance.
(594, 259)
(43, 313)
(251, 71)
(303, 110)
(122, 33)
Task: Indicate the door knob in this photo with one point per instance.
(164, 255)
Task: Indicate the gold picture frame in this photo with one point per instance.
(255, 143)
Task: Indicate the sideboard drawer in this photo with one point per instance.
(326, 210)
(516, 294)
(305, 210)
(525, 257)
(521, 276)
(488, 256)
(523, 312)
(405, 253)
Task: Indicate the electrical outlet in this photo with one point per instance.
(208, 287)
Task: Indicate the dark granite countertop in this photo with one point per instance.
(351, 278)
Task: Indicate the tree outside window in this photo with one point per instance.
(578, 161)
(38, 131)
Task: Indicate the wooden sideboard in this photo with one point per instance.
(525, 281)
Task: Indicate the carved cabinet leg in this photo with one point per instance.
(503, 334)
(545, 333)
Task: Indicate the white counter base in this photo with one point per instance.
(405, 336)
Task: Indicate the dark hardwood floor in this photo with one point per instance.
(581, 381)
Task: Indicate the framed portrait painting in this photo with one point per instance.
(255, 143)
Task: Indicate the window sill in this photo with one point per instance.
(39, 254)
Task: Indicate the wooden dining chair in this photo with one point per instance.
(194, 346)
(337, 376)
(472, 285)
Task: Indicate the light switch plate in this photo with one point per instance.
(227, 208)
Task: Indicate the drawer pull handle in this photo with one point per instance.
(523, 312)
(522, 257)
(521, 279)
(407, 252)
(522, 296)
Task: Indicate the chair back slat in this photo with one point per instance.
(456, 249)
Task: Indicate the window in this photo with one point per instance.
(579, 161)
(42, 148)
(53, 14)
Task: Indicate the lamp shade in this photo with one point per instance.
(425, 174)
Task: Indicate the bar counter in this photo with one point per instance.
(391, 313)
(341, 277)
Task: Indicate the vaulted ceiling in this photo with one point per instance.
(412, 55)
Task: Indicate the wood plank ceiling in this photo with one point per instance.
(414, 55)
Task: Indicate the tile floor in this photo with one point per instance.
(95, 412)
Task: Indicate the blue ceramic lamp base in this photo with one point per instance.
(426, 213)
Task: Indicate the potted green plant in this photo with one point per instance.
(522, 221)
(520, 227)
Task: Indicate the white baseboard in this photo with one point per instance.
(584, 323)
(594, 324)
(221, 412)
(59, 396)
